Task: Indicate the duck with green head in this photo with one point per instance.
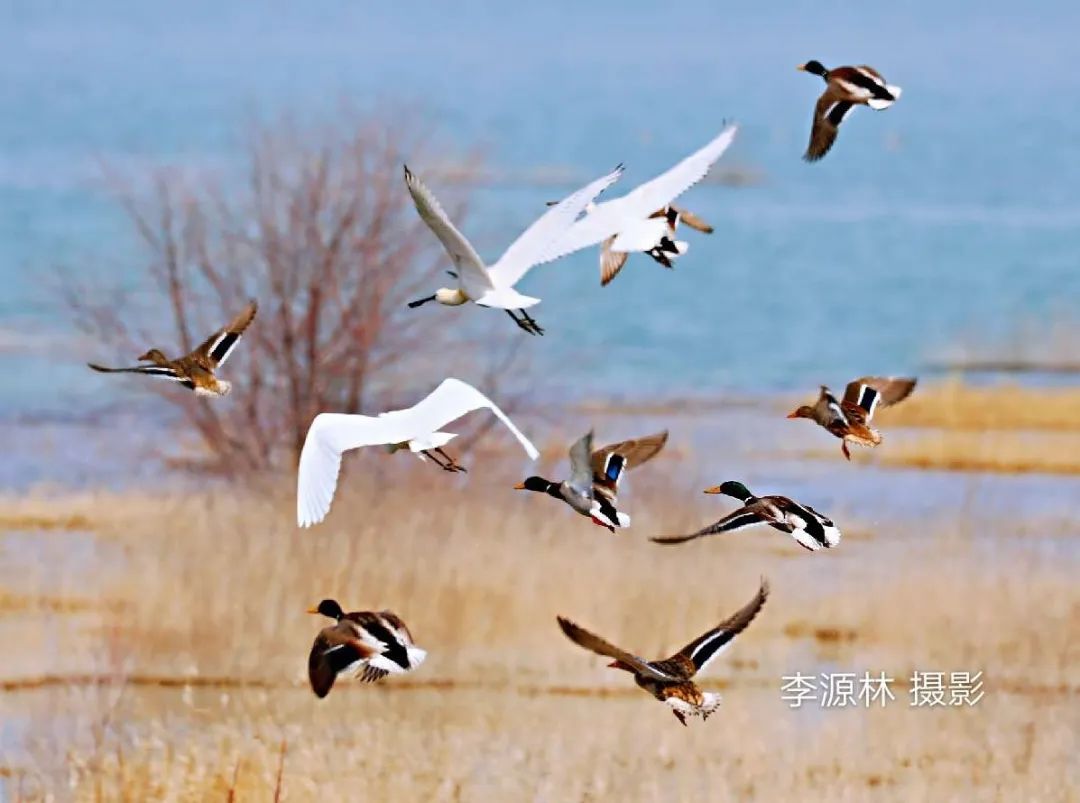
(367, 644)
(810, 529)
(594, 477)
(845, 88)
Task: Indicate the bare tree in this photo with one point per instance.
(320, 229)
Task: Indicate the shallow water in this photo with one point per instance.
(953, 212)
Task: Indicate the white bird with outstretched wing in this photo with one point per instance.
(416, 428)
(641, 219)
(494, 286)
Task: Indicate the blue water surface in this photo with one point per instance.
(954, 212)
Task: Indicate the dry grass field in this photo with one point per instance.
(170, 662)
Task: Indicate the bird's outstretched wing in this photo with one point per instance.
(332, 652)
(609, 462)
(611, 262)
(737, 520)
(581, 472)
(593, 642)
(707, 646)
(331, 434)
(641, 202)
(470, 267)
(217, 348)
(870, 392)
(693, 221)
(150, 370)
(535, 243)
(829, 113)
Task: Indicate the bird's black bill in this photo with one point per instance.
(420, 302)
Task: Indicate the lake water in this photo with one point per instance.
(953, 214)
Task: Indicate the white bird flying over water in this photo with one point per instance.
(414, 428)
(494, 286)
(644, 219)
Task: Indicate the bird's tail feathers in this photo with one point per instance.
(882, 103)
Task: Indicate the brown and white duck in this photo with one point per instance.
(663, 252)
(594, 477)
(849, 418)
(197, 370)
(846, 88)
(369, 645)
(810, 529)
(670, 680)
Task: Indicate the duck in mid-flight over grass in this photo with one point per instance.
(594, 477)
(849, 418)
(367, 644)
(846, 88)
(670, 680)
(195, 370)
(810, 529)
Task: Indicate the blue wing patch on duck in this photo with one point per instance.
(614, 468)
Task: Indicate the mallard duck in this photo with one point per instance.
(849, 419)
(846, 87)
(809, 528)
(644, 219)
(594, 477)
(670, 680)
(494, 286)
(415, 428)
(366, 644)
(195, 371)
(665, 250)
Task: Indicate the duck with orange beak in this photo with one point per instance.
(845, 88)
(594, 477)
(670, 680)
(810, 529)
(367, 644)
(849, 418)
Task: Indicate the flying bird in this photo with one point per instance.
(645, 219)
(594, 477)
(414, 428)
(671, 680)
(366, 644)
(810, 529)
(849, 418)
(494, 286)
(846, 88)
(196, 370)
